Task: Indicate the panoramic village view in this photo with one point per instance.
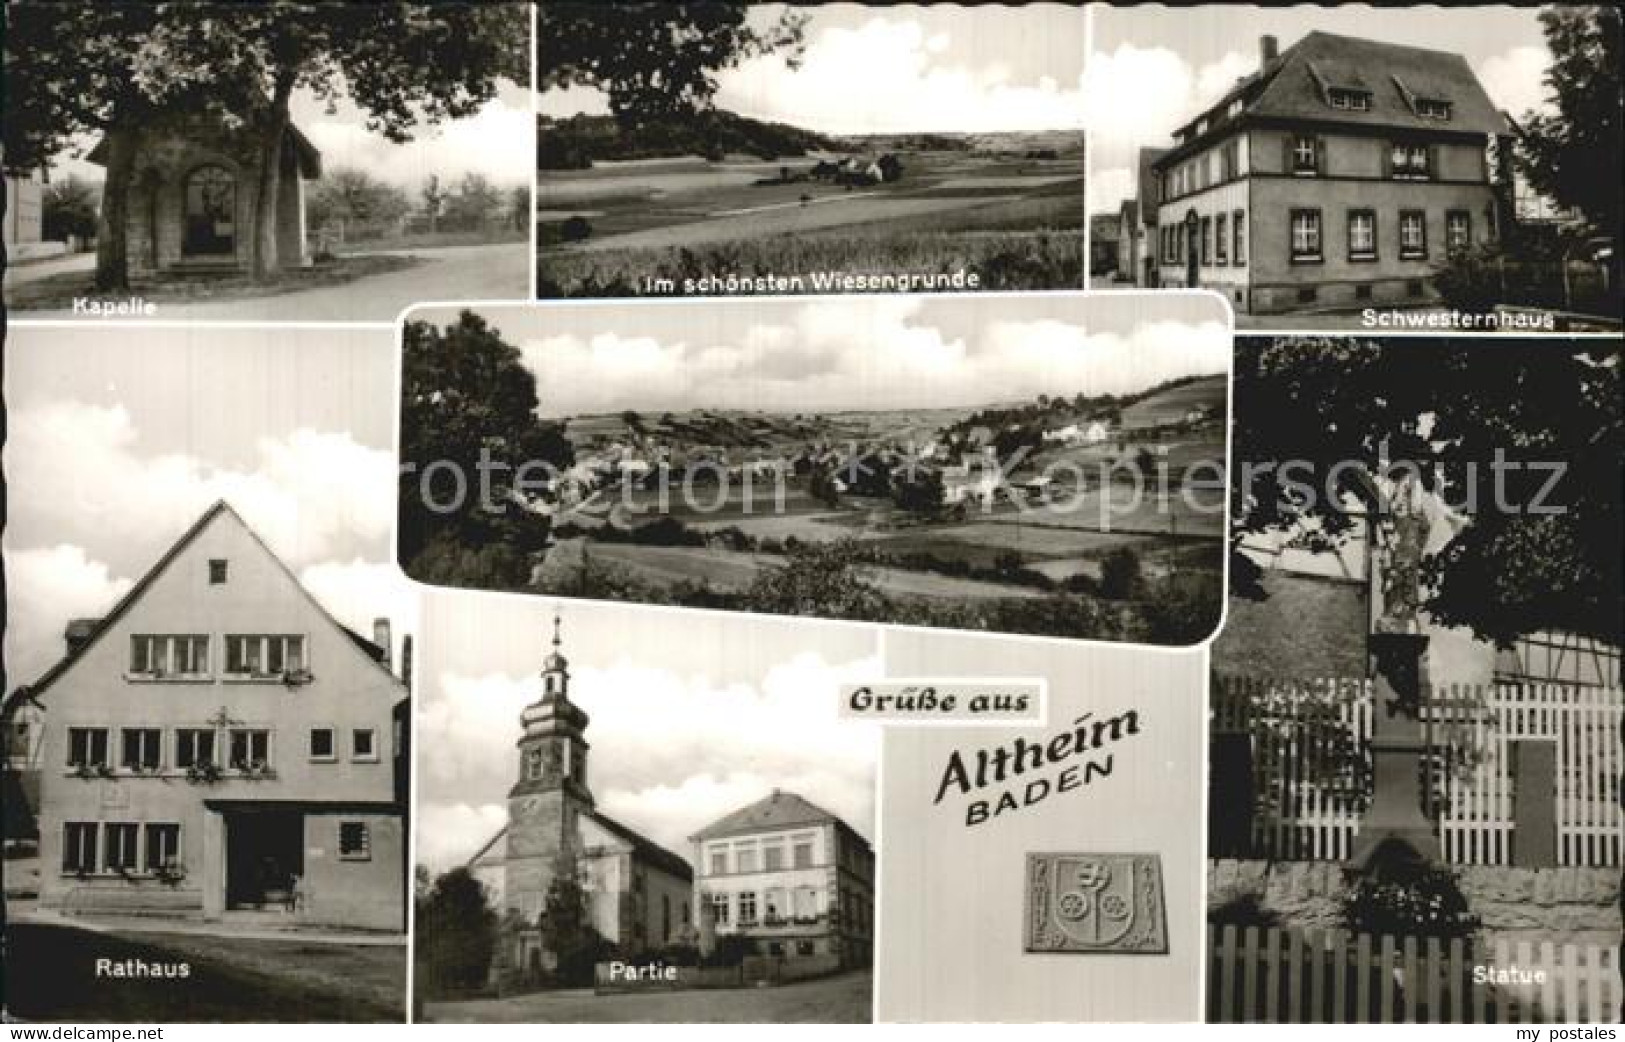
(827, 148)
(1016, 465)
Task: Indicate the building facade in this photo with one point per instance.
(1343, 172)
(191, 200)
(790, 875)
(638, 892)
(219, 745)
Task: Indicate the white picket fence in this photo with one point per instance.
(1310, 744)
(1270, 975)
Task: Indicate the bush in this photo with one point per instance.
(1120, 576)
(575, 229)
(731, 950)
(1409, 899)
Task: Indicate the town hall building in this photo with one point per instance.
(1343, 172)
(217, 746)
(638, 891)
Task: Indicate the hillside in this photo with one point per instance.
(577, 142)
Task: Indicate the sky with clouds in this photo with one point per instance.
(119, 439)
(1153, 67)
(497, 141)
(859, 352)
(873, 70)
(693, 714)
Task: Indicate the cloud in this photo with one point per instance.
(87, 478)
(497, 141)
(1515, 80)
(880, 353)
(889, 76)
(357, 592)
(448, 834)
(670, 753)
(52, 585)
(1136, 96)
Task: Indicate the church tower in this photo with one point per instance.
(551, 793)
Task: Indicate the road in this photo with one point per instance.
(844, 999)
(494, 272)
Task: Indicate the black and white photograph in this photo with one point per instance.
(1415, 759)
(1045, 872)
(710, 860)
(1429, 169)
(1049, 464)
(270, 162)
(739, 149)
(209, 652)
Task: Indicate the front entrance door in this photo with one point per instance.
(265, 858)
(1192, 245)
(211, 213)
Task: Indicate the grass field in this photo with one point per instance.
(1017, 224)
(51, 976)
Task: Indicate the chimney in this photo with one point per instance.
(381, 637)
(406, 661)
(78, 632)
(1268, 50)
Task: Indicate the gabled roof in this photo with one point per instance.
(642, 846)
(305, 153)
(1297, 85)
(778, 810)
(100, 626)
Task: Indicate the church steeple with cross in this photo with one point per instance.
(552, 746)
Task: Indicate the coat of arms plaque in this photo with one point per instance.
(1095, 903)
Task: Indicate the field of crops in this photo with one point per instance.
(1016, 223)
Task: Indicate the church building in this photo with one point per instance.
(638, 891)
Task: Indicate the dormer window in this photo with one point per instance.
(1201, 126)
(1433, 108)
(1234, 110)
(1349, 100)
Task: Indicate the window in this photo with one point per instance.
(194, 747)
(321, 744)
(805, 948)
(719, 909)
(143, 749)
(249, 655)
(1221, 239)
(79, 846)
(1362, 291)
(533, 765)
(773, 906)
(1410, 162)
(1305, 155)
(87, 747)
(363, 744)
(1362, 235)
(250, 749)
(806, 902)
(773, 857)
(1306, 235)
(1206, 224)
(1413, 235)
(745, 859)
(163, 847)
(1308, 294)
(1238, 231)
(802, 853)
(1433, 108)
(355, 841)
(156, 656)
(1458, 230)
(719, 862)
(1350, 100)
(122, 853)
(217, 571)
(747, 908)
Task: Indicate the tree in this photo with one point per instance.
(349, 194)
(654, 62)
(403, 64)
(434, 199)
(1567, 152)
(920, 492)
(567, 928)
(1339, 406)
(467, 397)
(69, 209)
(824, 579)
(476, 199)
(1120, 576)
(456, 933)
